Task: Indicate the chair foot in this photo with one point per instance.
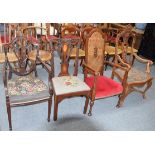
(10, 129)
(89, 114)
(48, 119)
(144, 96)
(119, 106)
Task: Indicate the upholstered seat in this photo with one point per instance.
(68, 84)
(111, 50)
(44, 55)
(32, 39)
(3, 39)
(26, 88)
(111, 39)
(105, 87)
(129, 50)
(12, 56)
(50, 37)
(2, 57)
(71, 36)
(134, 75)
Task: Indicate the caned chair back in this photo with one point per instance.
(95, 50)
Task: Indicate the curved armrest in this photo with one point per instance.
(122, 62)
(142, 59)
(148, 62)
(118, 66)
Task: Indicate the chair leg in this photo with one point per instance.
(9, 114)
(122, 98)
(55, 107)
(91, 106)
(149, 84)
(86, 105)
(10, 75)
(107, 59)
(81, 61)
(49, 109)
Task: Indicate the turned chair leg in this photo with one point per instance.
(86, 105)
(91, 106)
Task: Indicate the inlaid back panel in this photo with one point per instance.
(95, 49)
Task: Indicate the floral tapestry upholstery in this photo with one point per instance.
(26, 87)
(134, 75)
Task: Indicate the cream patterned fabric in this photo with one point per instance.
(134, 75)
(68, 84)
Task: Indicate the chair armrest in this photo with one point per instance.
(47, 68)
(148, 62)
(142, 59)
(118, 66)
(122, 62)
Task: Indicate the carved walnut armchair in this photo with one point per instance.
(135, 79)
(101, 86)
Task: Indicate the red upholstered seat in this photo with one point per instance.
(50, 37)
(3, 39)
(33, 39)
(105, 87)
(111, 39)
(71, 36)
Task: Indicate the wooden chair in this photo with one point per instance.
(44, 53)
(84, 33)
(135, 79)
(72, 32)
(67, 85)
(52, 34)
(111, 43)
(101, 86)
(24, 88)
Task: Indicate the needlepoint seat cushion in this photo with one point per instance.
(68, 84)
(26, 88)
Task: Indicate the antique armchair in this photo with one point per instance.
(68, 85)
(136, 78)
(24, 88)
(100, 85)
